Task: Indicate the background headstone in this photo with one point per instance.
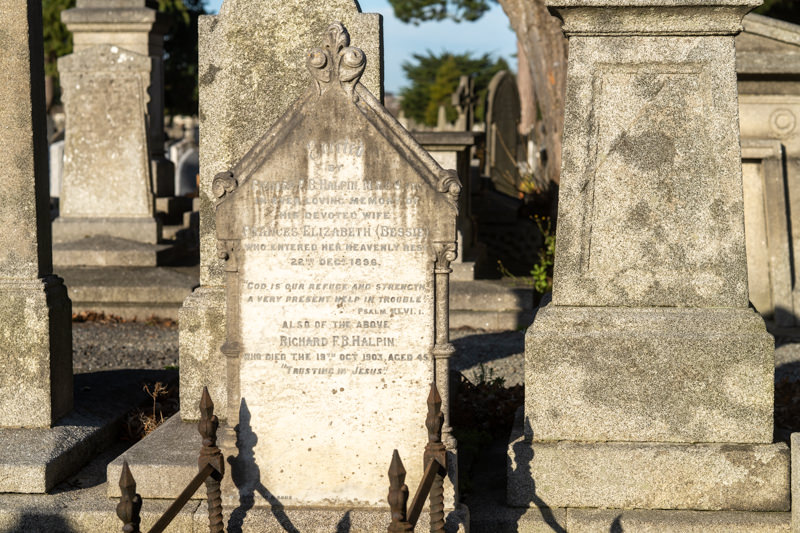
(251, 52)
(337, 231)
(35, 327)
(56, 153)
(186, 173)
(138, 26)
(769, 269)
(502, 133)
(106, 186)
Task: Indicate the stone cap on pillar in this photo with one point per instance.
(651, 17)
(116, 4)
(115, 15)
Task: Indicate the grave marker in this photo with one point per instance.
(503, 114)
(336, 231)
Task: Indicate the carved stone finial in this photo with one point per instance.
(224, 183)
(336, 61)
(450, 184)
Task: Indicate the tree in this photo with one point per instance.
(180, 55)
(788, 10)
(57, 42)
(434, 78)
(544, 46)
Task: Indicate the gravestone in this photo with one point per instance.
(768, 68)
(336, 231)
(769, 269)
(186, 173)
(648, 380)
(502, 133)
(56, 152)
(249, 52)
(35, 327)
(106, 187)
(464, 100)
(137, 26)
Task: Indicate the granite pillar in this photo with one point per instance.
(35, 328)
(648, 349)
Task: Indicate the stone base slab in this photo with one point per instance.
(143, 230)
(36, 386)
(35, 460)
(560, 520)
(171, 209)
(281, 520)
(646, 475)
(462, 271)
(639, 521)
(112, 252)
(130, 292)
(163, 463)
(649, 375)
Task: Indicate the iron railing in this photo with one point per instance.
(432, 483)
(212, 468)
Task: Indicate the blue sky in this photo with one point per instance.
(491, 34)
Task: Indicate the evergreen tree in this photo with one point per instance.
(434, 78)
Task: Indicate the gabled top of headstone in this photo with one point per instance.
(338, 100)
(768, 46)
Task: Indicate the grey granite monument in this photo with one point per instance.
(35, 322)
(336, 231)
(649, 381)
(251, 70)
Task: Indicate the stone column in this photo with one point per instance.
(649, 381)
(133, 25)
(35, 312)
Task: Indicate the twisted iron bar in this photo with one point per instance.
(211, 455)
(432, 483)
(211, 466)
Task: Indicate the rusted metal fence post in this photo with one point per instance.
(398, 496)
(130, 503)
(211, 455)
(435, 451)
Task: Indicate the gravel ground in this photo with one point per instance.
(107, 346)
(489, 354)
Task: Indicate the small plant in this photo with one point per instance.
(141, 422)
(543, 271)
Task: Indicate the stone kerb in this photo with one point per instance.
(106, 187)
(336, 291)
